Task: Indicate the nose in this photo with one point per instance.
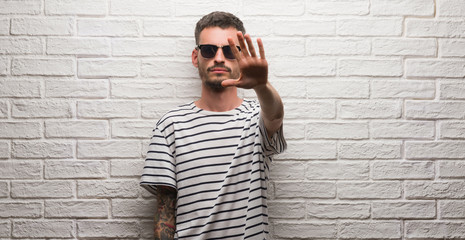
(219, 56)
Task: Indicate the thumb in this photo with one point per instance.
(230, 83)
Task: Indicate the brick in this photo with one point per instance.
(199, 8)
(403, 8)
(289, 88)
(4, 190)
(309, 109)
(127, 88)
(42, 189)
(338, 210)
(168, 69)
(369, 27)
(126, 168)
(451, 48)
(452, 130)
(171, 28)
(20, 88)
(108, 28)
(5, 228)
(305, 230)
(305, 67)
(370, 230)
(434, 28)
(98, 68)
(42, 149)
(132, 129)
(12, 46)
(450, 8)
(338, 46)
(452, 209)
(304, 28)
(287, 170)
(84, 47)
(4, 109)
(107, 109)
(403, 89)
(356, 109)
(338, 7)
(192, 89)
(434, 230)
(108, 149)
(434, 110)
(435, 190)
(337, 130)
(95, 88)
(4, 66)
(294, 131)
(50, 26)
(77, 129)
(20, 130)
(434, 68)
(144, 47)
(279, 47)
(4, 26)
(133, 208)
(402, 129)
(404, 47)
(75, 7)
(274, 8)
(21, 209)
(108, 229)
(404, 210)
(335, 88)
(309, 150)
(293, 189)
(261, 26)
(452, 90)
(4, 149)
(370, 67)
(451, 169)
(76, 208)
(434, 150)
(369, 190)
(141, 8)
(338, 170)
(402, 170)
(156, 109)
(43, 66)
(30, 7)
(20, 170)
(286, 209)
(41, 109)
(55, 169)
(108, 189)
(43, 229)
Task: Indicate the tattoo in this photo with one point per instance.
(165, 219)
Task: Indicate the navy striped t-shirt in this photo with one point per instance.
(218, 162)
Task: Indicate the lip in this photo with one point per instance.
(219, 70)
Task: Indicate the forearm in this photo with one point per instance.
(272, 108)
(165, 220)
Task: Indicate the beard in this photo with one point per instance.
(213, 82)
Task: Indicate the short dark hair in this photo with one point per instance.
(218, 19)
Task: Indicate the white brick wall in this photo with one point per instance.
(375, 113)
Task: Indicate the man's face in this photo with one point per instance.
(214, 70)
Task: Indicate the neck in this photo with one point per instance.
(218, 100)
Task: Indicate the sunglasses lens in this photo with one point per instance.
(208, 51)
(228, 52)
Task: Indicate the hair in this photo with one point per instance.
(218, 19)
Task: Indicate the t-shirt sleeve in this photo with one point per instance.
(272, 145)
(160, 166)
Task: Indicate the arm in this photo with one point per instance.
(165, 220)
(254, 75)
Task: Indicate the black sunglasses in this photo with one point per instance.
(209, 50)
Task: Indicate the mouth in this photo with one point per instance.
(219, 70)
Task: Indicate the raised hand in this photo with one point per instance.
(253, 68)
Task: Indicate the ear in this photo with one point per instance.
(195, 58)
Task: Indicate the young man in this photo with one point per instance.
(208, 160)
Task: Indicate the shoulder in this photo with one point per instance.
(251, 105)
(176, 113)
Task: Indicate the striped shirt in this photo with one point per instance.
(218, 162)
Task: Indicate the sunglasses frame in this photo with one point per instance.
(216, 47)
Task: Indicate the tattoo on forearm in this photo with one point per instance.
(165, 219)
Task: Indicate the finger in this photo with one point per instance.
(234, 49)
(261, 49)
(230, 83)
(240, 37)
(250, 44)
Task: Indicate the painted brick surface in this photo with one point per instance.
(373, 90)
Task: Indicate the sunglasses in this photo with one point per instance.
(209, 51)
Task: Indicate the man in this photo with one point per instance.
(208, 160)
